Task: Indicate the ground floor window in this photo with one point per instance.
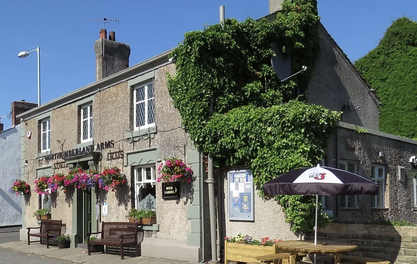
(145, 187)
(348, 201)
(378, 176)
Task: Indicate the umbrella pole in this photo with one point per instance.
(315, 222)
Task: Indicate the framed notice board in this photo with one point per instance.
(240, 193)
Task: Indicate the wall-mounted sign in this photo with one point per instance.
(171, 190)
(86, 150)
(60, 165)
(240, 190)
(115, 155)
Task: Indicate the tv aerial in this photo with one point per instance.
(103, 20)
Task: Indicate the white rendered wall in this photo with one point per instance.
(10, 204)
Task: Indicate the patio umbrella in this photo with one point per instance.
(317, 181)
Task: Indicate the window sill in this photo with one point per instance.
(154, 227)
(43, 154)
(145, 133)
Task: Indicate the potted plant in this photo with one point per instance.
(63, 241)
(43, 214)
(95, 248)
(20, 187)
(134, 215)
(148, 217)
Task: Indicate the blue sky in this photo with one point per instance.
(66, 38)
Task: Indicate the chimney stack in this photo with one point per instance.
(111, 56)
(275, 6)
(19, 107)
(1, 127)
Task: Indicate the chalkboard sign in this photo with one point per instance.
(171, 190)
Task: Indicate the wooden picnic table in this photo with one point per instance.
(308, 247)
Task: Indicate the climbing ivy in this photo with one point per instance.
(234, 106)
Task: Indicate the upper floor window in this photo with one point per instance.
(348, 201)
(145, 188)
(86, 123)
(45, 135)
(144, 103)
(378, 176)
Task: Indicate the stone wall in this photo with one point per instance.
(397, 244)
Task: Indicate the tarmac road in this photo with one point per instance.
(10, 257)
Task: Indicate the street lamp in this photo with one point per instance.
(24, 54)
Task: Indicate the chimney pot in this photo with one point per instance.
(103, 33)
(112, 36)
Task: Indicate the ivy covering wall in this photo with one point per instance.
(234, 106)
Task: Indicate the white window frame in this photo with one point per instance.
(415, 190)
(43, 198)
(45, 127)
(145, 101)
(346, 197)
(141, 183)
(89, 120)
(380, 179)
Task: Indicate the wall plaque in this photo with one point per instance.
(171, 190)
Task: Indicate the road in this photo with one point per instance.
(10, 257)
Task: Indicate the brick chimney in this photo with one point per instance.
(111, 56)
(19, 107)
(275, 5)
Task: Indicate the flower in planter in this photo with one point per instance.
(110, 179)
(138, 215)
(20, 187)
(173, 169)
(64, 237)
(41, 185)
(248, 240)
(42, 212)
(56, 181)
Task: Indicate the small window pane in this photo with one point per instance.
(140, 94)
(140, 114)
(151, 112)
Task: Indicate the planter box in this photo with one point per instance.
(63, 244)
(246, 253)
(148, 221)
(44, 217)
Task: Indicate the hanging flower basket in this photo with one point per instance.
(110, 179)
(174, 170)
(20, 187)
(41, 185)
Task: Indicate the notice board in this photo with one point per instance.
(240, 194)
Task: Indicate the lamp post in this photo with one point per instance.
(24, 54)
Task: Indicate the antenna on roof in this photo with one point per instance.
(103, 20)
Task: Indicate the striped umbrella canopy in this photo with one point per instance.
(317, 181)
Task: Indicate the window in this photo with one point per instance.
(144, 101)
(45, 200)
(86, 123)
(348, 201)
(378, 176)
(415, 190)
(145, 182)
(45, 135)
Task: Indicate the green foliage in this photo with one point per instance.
(390, 70)
(233, 105)
(360, 130)
(41, 212)
(300, 212)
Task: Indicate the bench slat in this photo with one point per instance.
(273, 257)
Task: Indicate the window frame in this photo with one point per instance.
(140, 184)
(146, 101)
(89, 120)
(346, 163)
(381, 187)
(47, 132)
(415, 191)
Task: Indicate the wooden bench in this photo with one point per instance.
(274, 258)
(47, 229)
(362, 260)
(116, 234)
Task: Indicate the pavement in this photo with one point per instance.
(78, 255)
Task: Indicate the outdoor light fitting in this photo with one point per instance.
(303, 69)
(24, 54)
